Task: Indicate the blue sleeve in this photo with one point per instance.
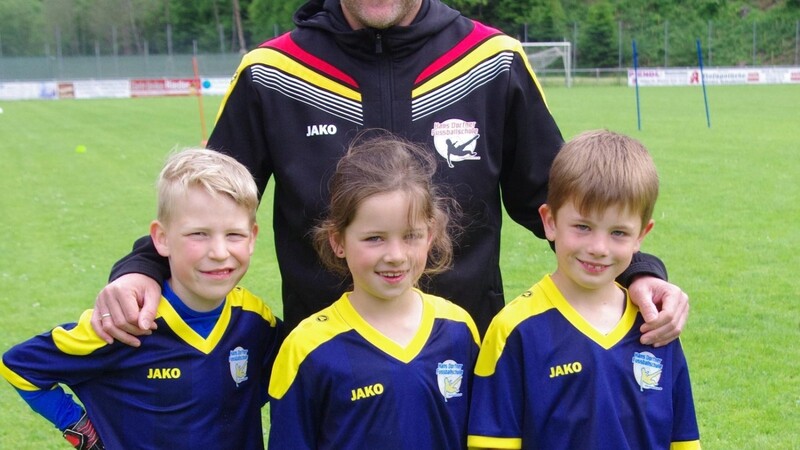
(497, 410)
(685, 427)
(295, 413)
(65, 356)
(54, 405)
(269, 359)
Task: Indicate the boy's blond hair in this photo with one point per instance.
(213, 171)
(599, 169)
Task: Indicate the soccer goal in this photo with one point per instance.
(548, 58)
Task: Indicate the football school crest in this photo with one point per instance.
(455, 140)
(449, 375)
(237, 360)
(647, 370)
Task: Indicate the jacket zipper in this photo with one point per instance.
(386, 81)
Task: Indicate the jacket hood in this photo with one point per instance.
(326, 16)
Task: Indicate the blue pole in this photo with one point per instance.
(636, 81)
(703, 82)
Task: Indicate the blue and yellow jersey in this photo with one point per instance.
(546, 378)
(177, 391)
(338, 383)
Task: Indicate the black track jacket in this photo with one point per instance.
(462, 89)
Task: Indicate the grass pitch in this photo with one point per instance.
(78, 187)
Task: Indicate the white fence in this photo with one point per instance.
(143, 87)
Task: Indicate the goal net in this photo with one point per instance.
(550, 59)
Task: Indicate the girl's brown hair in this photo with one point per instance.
(381, 164)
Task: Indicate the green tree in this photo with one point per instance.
(532, 20)
(112, 25)
(548, 21)
(18, 19)
(200, 20)
(664, 30)
(269, 18)
(60, 26)
(598, 43)
(511, 16)
(474, 9)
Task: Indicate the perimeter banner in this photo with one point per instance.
(714, 76)
(159, 87)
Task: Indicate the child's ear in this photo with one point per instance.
(644, 232)
(159, 236)
(549, 222)
(336, 244)
(253, 236)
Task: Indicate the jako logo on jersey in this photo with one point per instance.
(565, 369)
(320, 130)
(647, 370)
(237, 360)
(455, 140)
(449, 375)
(163, 373)
(366, 391)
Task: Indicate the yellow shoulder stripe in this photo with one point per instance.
(16, 380)
(79, 341)
(304, 339)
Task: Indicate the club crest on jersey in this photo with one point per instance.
(237, 360)
(455, 140)
(647, 370)
(449, 375)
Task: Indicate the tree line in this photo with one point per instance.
(739, 32)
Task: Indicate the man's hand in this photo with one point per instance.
(117, 312)
(664, 306)
(83, 436)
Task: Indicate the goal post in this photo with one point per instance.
(548, 58)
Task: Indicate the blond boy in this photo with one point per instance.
(200, 379)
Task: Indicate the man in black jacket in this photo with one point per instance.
(421, 70)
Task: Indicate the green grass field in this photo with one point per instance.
(724, 227)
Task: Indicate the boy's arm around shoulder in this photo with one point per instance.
(664, 306)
